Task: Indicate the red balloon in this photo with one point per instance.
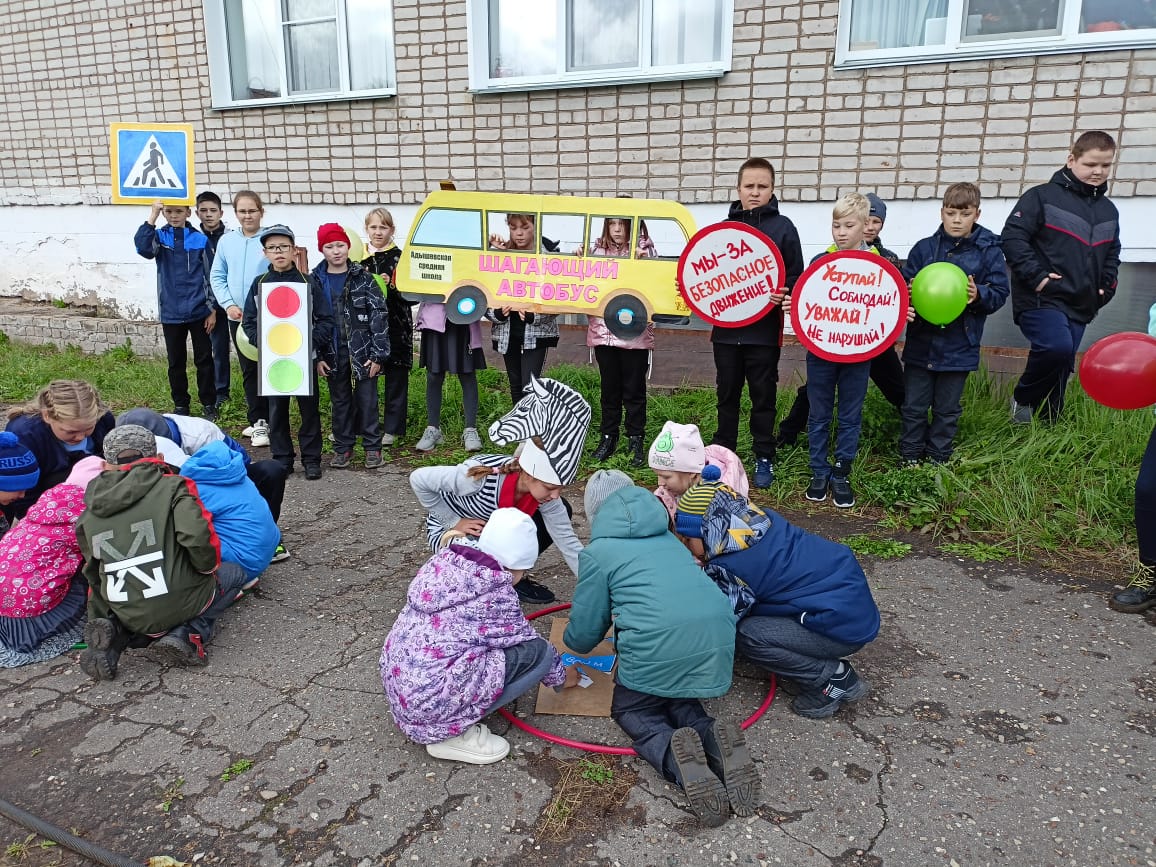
(1119, 370)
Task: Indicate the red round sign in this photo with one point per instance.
(849, 306)
(728, 272)
(282, 302)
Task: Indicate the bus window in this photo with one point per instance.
(610, 236)
(512, 231)
(667, 238)
(442, 227)
(564, 232)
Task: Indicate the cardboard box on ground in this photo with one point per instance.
(592, 701)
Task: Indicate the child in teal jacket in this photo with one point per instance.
(674, 633)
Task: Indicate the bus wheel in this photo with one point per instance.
(466, 305)
(625, 317)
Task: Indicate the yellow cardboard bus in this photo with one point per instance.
(574, 256)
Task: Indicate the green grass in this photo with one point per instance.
(884, 549)
(235, 770)
(1061, 490)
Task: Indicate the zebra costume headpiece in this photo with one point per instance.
(550, 421)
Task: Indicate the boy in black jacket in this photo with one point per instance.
(1062, 243)
(279, 242)
(751, 353)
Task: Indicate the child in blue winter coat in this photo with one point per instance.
(812, 605)
(937, 358)
(184, 300)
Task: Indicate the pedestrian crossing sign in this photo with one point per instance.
(152, 161)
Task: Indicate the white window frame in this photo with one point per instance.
(220, 77)
(478, 26)
(1068, 40)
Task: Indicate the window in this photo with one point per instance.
(443, 227)
(878, 32)
(276, 51)
(529, 44)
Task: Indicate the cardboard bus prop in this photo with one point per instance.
(547, 254)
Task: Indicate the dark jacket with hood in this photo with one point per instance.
(1065, 227)
(674, 630)
(323, 324)
(767, 331)
(362, 326)
(384, 264)
(183, 293)
(955, 346)
(54, 460)
(150, 550)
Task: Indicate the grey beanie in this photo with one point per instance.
(878, 207)
(130, 440)
(600, 486)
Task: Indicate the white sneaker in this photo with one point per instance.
(260, 436)
(430, 439)
(471, 439)
(475, 746)
(247, 432)
(388, 439)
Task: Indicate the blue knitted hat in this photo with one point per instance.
(18, 468)
(693, 504)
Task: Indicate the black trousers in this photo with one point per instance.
(308, 435)
(269, 479)
(176, 347)
(221, 337)
(521, 363)
(651, 722)
(354, 408)
(256, 406)
(941, 392)
(758, 367)
(545, 540)
(623, 375)
(396, 400)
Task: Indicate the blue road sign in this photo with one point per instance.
(152, 161)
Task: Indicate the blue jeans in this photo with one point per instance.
(786, 647)
(828, 381)
(1055, 339)
(526, 664)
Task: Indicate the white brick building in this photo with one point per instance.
(329, 107)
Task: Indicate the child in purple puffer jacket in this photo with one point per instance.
(462, 648)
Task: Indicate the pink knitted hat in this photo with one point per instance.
(85, 470)
(678, 448)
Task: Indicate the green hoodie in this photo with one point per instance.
(675, 631)
(150, 551)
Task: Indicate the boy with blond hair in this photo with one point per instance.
(938, 358)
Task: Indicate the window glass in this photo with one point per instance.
(686, 31)
(564, 230)
(1000, 19)
(603, 34)
(370, 34)
(312, 53)
(898, 23)
(523, 38)
(442, 227)
(251, 28)
(512, 231)
(1114, 16)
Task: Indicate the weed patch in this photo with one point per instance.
(884, 549)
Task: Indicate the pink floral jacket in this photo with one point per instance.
(39, 556)
(442, 664)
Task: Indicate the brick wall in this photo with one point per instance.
(71, 68)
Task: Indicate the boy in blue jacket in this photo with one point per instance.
(674, 633)
(184, 302)
(812, 605)
(938, 358)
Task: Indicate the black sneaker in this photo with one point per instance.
(822, 703)
(533, 592)
(605, 448)
(179, 646)
(817, 490)
(637, 448)
(340, 461)
(99, 661)
(181, 410)
(705, 791)
(841, 493)
(313, 472)
(209, 413)
(1139, 595)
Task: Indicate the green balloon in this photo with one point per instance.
(286, 375)
(939, 292)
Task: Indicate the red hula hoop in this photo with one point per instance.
(605, 749)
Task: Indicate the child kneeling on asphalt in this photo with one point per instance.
(675, 634)
(152, 560)
(812, 604)
(461, 647)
